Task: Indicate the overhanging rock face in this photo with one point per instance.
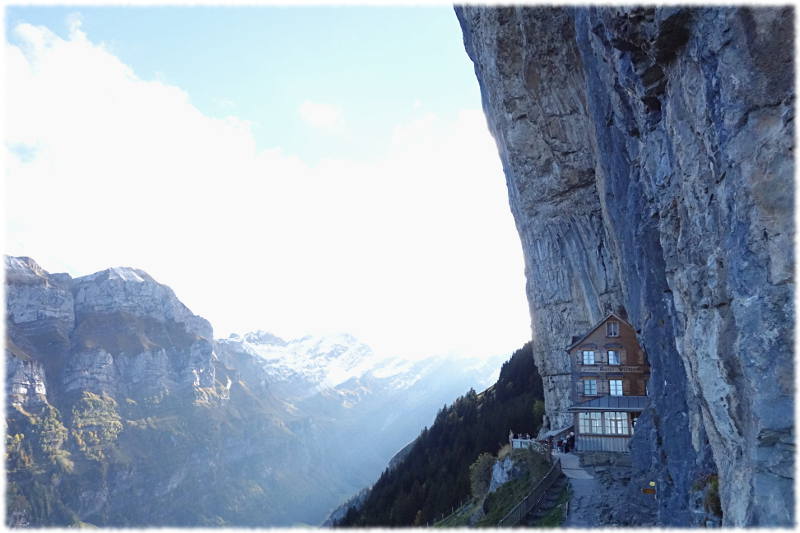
(649, 159)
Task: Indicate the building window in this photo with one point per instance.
(613, 357)
(590, 423)
(589, 387)
(616, 423)
(615, 387)
(612, 329)
(583, 422)
(588, 357)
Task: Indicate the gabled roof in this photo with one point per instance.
(594, 328)
(616, 403)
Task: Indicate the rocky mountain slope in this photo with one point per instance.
(648, 154)
(123, 411)
(120, 414)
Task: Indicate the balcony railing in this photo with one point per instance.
(602, 367)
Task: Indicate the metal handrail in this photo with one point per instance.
(519, 511)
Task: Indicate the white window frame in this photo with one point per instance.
(615, 387)
(616, 423)
(590, 385)
(588, 355)
(596, 421)
(618, 359)
(612, 328)
(590, 423)
(583, 422)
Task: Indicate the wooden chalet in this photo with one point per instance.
(609, 373)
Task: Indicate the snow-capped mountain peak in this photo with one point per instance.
(263, 338)
(325, 361)
(340, 365)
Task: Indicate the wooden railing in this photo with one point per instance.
(604, 367)
(454, 510)
(532, 444)
(533, 498)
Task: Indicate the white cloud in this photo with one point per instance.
(322, 116)
(225, 104)
(415, 253)
(74, 22)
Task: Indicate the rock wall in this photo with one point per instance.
(648, 154)
(96, 369)
(25, 382)
(117, 331)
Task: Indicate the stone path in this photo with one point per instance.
(584, 509)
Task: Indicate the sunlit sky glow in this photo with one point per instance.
(297, 170)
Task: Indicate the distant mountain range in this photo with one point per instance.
(353, 409)
(124, 411)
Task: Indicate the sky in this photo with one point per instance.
(292, 169)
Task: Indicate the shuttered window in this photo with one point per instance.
(590, 387)
(588, 357)
(612, 328)
(613, 357)
(615, 387)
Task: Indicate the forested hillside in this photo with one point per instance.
(434, 475)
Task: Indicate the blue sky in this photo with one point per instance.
(377, 63)
(297, 170)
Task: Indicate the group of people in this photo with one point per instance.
(562, 445)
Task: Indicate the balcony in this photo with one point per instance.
(603, 367)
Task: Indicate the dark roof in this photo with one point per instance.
(593, 328)
(612, 403)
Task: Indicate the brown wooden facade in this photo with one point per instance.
(609, 375)
(608, 361)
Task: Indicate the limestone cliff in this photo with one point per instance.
(120, 414)
(648, 154)
(115, 332)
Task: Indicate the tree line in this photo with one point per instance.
(435, 474)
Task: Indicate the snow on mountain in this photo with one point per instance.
(120, 273)
(325, 361)
(352, 408)
(341, 370)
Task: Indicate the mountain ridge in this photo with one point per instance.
(114, 386)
